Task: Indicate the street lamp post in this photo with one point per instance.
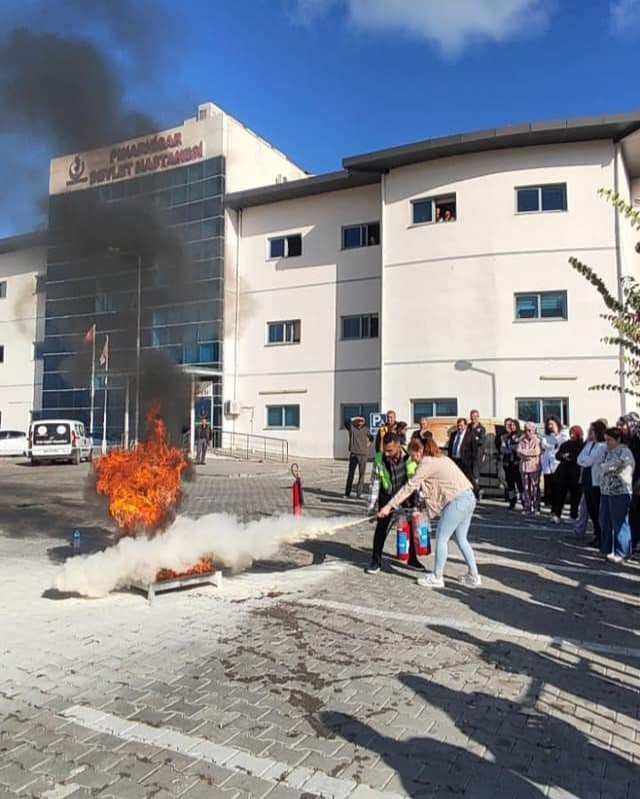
(467, 366)
(138, 326)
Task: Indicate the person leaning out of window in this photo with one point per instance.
(616, 487)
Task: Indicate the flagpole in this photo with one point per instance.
(93, 380)
(106, 394)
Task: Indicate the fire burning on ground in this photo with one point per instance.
(143, 487)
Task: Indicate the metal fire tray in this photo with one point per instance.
(188, 581)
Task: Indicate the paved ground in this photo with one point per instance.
(306, 678)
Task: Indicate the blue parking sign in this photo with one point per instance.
(376, 420)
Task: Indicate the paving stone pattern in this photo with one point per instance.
(344, 685)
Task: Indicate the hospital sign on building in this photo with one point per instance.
(129, 159)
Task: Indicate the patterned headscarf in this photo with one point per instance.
(633, 422)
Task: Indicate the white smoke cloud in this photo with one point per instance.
(449, 24)
(230, 542)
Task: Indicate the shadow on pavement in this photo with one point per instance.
(519, 746)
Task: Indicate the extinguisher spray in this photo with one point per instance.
(403, 534)
(420, 532)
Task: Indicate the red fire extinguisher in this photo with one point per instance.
(420, 534)
(297, 500)
(403, 533)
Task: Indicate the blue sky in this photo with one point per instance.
(324, 79)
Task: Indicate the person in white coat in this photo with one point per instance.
(590, 459)
(554, 436)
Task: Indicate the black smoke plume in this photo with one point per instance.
(66, 72)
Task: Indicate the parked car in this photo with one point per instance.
(13, 442)
(59, 440)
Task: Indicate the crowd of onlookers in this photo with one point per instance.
(597, 475)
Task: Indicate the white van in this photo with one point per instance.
(59, 440)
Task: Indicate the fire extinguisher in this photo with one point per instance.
(297, 499)
(420, 533)
(403, 533)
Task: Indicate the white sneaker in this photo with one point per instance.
(555, 519)
(614, 558)
(471, 580)
(431, 581)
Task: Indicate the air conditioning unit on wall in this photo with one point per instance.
(232, 408)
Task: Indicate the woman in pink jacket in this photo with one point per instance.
(530, 454)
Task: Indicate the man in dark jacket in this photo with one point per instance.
(456, 445)
(473, 450)
(391, 470)
(203, 439)
(360, 439)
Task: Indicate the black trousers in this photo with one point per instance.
(380, 536)
(564, 484)
(592, 498)
(549, 488)
(513, 479)
(634, 520)
(361, 462)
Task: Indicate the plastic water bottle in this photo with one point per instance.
(75, 542)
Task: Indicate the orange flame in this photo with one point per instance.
(203, 566)
(143, 485)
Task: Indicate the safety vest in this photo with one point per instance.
(385, 478)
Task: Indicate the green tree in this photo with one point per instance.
(623, 312)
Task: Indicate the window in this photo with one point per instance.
(365, 326)
(287, 416)
(361, 235)
(532, 199)
(1, 353)
(434, 209)
(286, 246)
(541, 305)
(349, 411)
(433, 407)
(537, 409)
(283, 332)
(3, 289)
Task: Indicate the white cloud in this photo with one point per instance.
(447, 23)
(625, 17)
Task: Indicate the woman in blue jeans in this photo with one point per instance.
(448, 493)
(616, 488)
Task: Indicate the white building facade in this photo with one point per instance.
(22, 267)
(354, 297)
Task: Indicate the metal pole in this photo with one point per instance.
(126, 413)
(192, 420)
(93, 381)
(139, 295)
(106, 394)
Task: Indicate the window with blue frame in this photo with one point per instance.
(537, 409)
(367, 235)
(284, 332)
(433, 407)
(536, 199)
(283, 416)
(360, 326)
(434, 209)
(349, 411)
(541, 305)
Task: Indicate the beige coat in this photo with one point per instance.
(439, 480)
